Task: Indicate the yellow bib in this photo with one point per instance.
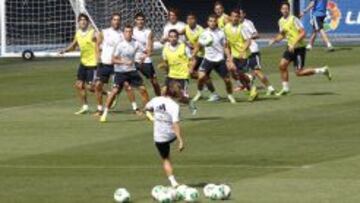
(221, 21)
(236, 41)
(193, 37)
(87, 47)
(288, 26)
(178, 62)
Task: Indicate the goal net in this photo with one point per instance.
(45, 26)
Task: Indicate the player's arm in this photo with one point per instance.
(71, 47)
(229, 58)
(164, 65)
(308, 8)
(150, 45)
(279, 37)
(148, 111)
(177, 131)
(98, 41)
(117, 59)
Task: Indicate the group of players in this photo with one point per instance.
(126, 55)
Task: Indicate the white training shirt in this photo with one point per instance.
(142, 36)
(216, 52)
(179, 26)
(126, 50)
(250, 30)
(111, 38)
(166, 113)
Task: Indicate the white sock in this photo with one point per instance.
(173, 181)
(271, 88)
(309, 46)
(99, 107)
(105, 113)
(85, 106)
(134, 105)
(285, 86)
(319, 70)
(329, 45)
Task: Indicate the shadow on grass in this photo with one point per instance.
(213, 118)
(317, 94)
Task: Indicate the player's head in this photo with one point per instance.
(83, 21)
(235, 16)
(173, 90)
(128, 32)
(116, 21)
(191, 19)
(173, 15)
(242, 15)
(173, 37)
(219, 8)
(140, 20)
(212, 21)
(285, 9)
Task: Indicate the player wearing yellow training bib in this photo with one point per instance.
(292, 29)
(86, 39)
(222, 17)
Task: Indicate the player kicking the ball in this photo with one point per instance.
(167, 126)
(292, 29)
(86, 39)
(125, 70)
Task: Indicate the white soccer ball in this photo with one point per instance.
(208, 189)
(206, 39)
(226, 191)
(191, 195)
(164, 197)
(181, 192)
(216, 193)
(121, 195)
(173, 193)
(155, 192)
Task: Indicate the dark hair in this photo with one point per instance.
(212, 16)
(140, 15)
(175, 11)
(192, 14)
(83, 15)
(173, 90)
(128, 26)
(285, 3)
(219, 3)
(114, 15)
(236, 10)
(174, 31)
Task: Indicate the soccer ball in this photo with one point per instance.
(164, 197)
(208, 190)
(155, 192)
(225, 190)
(173, 193)
(191, 195)
(181, 192)
(206, 39)
(216, 194)
(121, 195)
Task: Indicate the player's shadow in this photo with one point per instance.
(316, 94)
(341, 49)
(212, 118)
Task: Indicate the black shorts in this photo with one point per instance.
(164, 148)
(241, 64)
(104, 72)
(318, 22)
(184, 84)
(147, 69)
(254, 61)
(199, 60)
(86, 73)
(220, 67)
(298, 57)
(133, 78)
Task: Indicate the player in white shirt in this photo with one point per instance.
(125, 70)
(166, 113)
(173, 24)
(214, 59)
(109, 38)
(144, 63)
(254, 61)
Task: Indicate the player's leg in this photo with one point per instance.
(324, 36)
(209, 84)
(242, 67)
(148, 70)
(203, 76)
(299, 62)
(284, 73)
(312, 40)
(81, 90)
(119, 81)
(164, 151)
(136, 81)
(223, 72)
(104, 72)
(184, 97)
(255, 64)
(131, 96)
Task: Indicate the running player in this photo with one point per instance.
(167, 127)
(318, 9)
(125, 70)
(144, 63)
(106, 45)
(214, 58)
(222, 17)
(237, 51)
(177, 56)
(192, 34)
(86, 39)
(292, 29)
(254, 61)
(172, 24)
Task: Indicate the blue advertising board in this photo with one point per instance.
(343, 17)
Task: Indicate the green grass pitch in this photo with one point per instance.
(301, 148)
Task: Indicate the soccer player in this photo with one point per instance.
(292, 29)
(192, 34)
(237, 50)
(172, 24)
(125, 70)
(254, 61)
(214, 58)
(318, 10)
(85, 38)
(177, 56)
(167, 127)
(106, 45)
(222, 17)
(144, 63)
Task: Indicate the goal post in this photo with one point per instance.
(43, 27)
